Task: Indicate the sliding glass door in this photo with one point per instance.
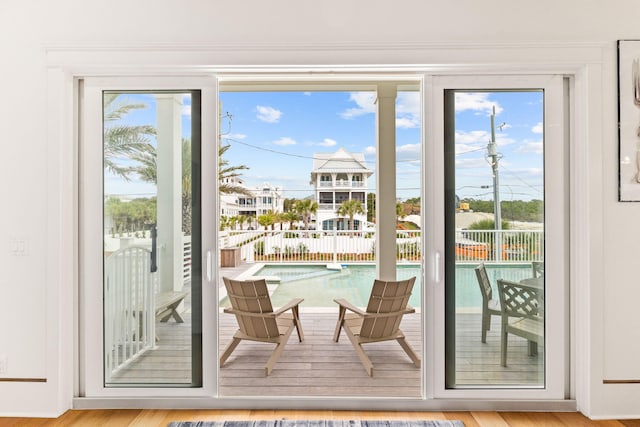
(142, 207)
(459, 181)
(502, 242)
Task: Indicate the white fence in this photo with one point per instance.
(359, 246)
(129, 313)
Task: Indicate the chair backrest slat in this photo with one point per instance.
(252, 296)
(386, 297)
(483, 282)
(520, 300)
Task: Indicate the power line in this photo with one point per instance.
(526, 184)
(303, 156)
(470, 151)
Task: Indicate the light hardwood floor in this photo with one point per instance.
(160, 418)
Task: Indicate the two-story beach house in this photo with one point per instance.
(338, 177)
(264, 198)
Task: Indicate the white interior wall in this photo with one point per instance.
(35, 286)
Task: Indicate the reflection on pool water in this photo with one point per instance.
(319, 285)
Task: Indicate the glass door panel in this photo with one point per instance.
(152, 248)
(495, 228)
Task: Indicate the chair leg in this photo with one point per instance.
(227, 351)
(277, 352)
(296, 322)
(503, 347)
(407, 349)
(364, 359)
(341, 313)
(486, 325)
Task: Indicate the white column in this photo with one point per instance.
(386, 182)
(169, 176)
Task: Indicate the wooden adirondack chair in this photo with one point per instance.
(380, 321)
(257, 321)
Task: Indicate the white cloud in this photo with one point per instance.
(476, 101)
(185, 110)
(538, 128)
(327, 142)
(234, 136)
(307, 93)
(285, 140)
(408, 148)
(474, 163)
(531, 147)
(407, 122)
(408, 153)
(370, 150)
(474, 136)
(268, 114)
(365, 102)
(408, 110)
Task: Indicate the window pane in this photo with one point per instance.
(151, 239)
(494, 238)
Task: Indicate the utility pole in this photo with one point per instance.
(492, 151)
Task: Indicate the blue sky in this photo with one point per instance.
(276, 134)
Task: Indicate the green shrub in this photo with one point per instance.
(258, 248)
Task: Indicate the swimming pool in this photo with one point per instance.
(319, 285)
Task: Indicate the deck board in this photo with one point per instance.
(320, 367)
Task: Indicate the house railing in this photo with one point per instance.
(359, 246)
(129, 314)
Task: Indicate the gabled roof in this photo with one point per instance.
(340, 162)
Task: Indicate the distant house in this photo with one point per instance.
(337, 177)
(264, 198)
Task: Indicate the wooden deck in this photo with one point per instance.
(320, 367)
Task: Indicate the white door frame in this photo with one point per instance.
(91, 238)
(584, 62)
(556, 232)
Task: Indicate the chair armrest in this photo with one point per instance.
(288, 306)
(231, 310)
(389, 314)
(346, 304)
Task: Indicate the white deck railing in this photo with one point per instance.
(129, 314)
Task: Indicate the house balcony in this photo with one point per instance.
(341, 183)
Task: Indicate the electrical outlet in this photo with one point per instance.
(19, 247)
(4, 360)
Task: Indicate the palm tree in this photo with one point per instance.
(124, 142)
(290, 217)
(267, 219)
(400, 211)
(280, 219)
(226, 172)
(241, 220)
(350, 208)
(305, 208)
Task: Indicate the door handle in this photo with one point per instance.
(154, 248)
(436, 267)
(209, 265)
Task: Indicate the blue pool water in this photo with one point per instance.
(319, 285)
